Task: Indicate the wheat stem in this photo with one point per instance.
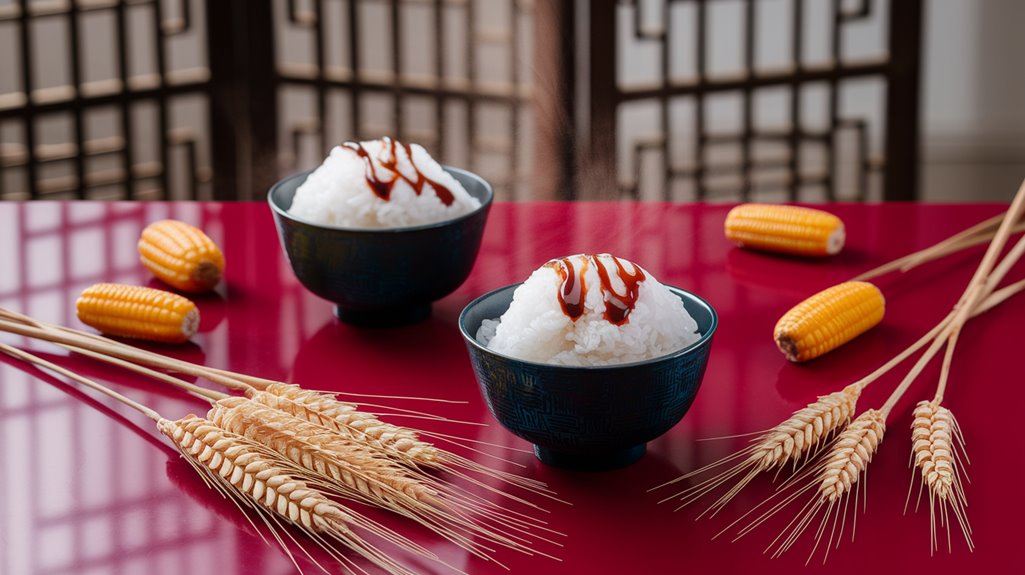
(259, 480)
(191, 388)
(978, 234)
(26, 356)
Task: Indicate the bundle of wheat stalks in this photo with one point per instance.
(292, 456)
(829, 445)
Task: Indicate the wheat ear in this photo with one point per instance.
(361, 472)
(262, 482)
(256, 480)
(793, 440)
(790, 441)
(848, 458)
(937, 451)
(346, 418)
(356, 472)
(843, 466)
(401, 443)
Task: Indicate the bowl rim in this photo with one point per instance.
(703, 340)
(484, 205)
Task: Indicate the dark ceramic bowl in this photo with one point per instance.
(587, 418)
(381, 277)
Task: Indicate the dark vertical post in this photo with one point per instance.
(902, 99)
(600, 167)
(797, 58)
(256, 52)
(127, 130)
(27, 86)
(398, 123)
(439, 71)
(243, 102)
(355, 106)
(667, 160)
(832, 158)
(554, 96)
(700, 53)
(76, 81)
(750, 38)
(321, 62)
(471, 79)
(221, 28)
(163, 125)
(514, 107)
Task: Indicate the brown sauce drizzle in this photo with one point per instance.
(382, 188)
(573, 290)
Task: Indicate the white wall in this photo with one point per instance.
(973, 97)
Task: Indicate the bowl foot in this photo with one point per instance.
(595, 461)
(384, 317)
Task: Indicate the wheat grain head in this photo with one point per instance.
(850, 455)
(355, 470)
(795, 439)
(937, 449)
(837, 476)
(806, 429)
(401, 444)
(346, 418)
(255, 479)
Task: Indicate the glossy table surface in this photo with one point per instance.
(87, 486)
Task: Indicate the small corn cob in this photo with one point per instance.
(138, 312)
(181, 255)
(829, 319)
(785, 229)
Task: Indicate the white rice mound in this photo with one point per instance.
(536, 329)
(337, 192)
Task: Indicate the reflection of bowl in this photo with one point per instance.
(587, 418)
(387, 276)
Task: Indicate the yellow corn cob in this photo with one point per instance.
(785, 229)
(138, 312)
(829, 319)
(181, 255)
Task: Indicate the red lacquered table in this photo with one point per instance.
(86, 486)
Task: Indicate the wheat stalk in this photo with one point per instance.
(935, 432)
(978, 234)
(261, 481)
(799, 436)
(402, 443)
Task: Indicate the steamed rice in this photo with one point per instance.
(536, 328)
(337, 192)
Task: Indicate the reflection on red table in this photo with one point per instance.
(86, 486)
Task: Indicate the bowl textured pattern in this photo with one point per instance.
(382, 275)
(587, 417)
(579, 413)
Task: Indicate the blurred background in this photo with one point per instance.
(717, 100)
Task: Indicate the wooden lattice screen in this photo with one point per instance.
(565, 99)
